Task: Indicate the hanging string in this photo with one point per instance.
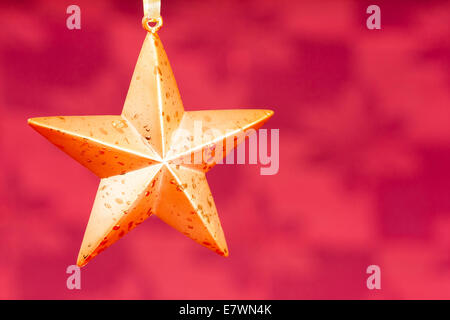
(152, 20)
(152, 8)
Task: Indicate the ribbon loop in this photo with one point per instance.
(152, 20)
(152, 9)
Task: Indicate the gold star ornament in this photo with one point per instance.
(145, 167)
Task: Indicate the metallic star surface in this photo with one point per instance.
(144, 170)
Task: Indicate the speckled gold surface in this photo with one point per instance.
(143, 172)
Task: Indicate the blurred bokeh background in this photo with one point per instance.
(364, 119)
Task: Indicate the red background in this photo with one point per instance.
(364, 148)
